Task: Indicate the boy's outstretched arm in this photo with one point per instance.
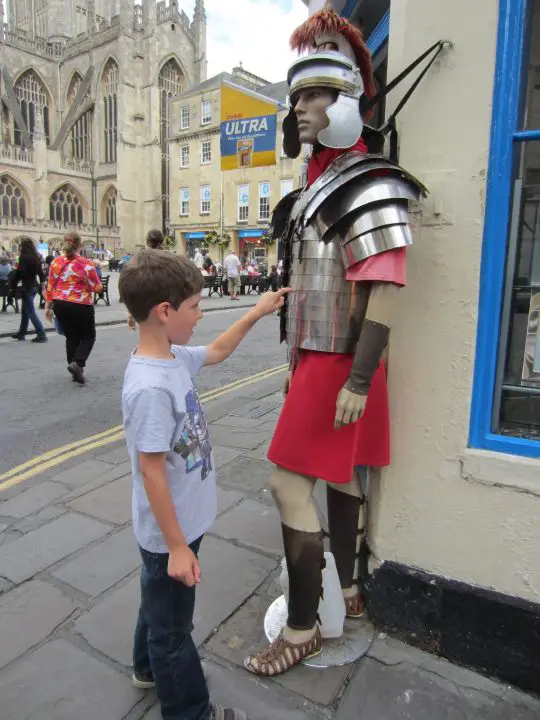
(227, 343)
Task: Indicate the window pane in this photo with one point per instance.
(519, 412)
(532, 116)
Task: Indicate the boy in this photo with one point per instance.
(174, 491)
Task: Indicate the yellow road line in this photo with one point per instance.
(78, 444)
(55, 457)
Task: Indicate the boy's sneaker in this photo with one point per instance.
(143, 681)
(222, 713)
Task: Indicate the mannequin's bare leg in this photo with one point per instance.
(304, 551)
(346, 521)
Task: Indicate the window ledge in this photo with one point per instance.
(494, 469)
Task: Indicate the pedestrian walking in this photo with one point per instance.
(232, 267)
(29, 273)
(5, 267)
(198, 259)
(174, 484)
(72, 281)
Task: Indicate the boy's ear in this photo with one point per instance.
(161, 312)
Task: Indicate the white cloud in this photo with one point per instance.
(254, 32)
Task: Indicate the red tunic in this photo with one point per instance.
(305, 441)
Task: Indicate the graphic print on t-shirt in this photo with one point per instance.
(193, 445)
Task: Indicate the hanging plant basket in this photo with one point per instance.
(170, 241)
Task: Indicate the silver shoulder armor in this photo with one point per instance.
(364, 206)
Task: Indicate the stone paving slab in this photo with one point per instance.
(223, 456)
(103, 565)
(111, 502)
(117, 456)
(245, 475)
(110, 625)
(237, 437)
(404, 692)
(243, 634)
(5, 585)
(33, 522)
(252, 524)
(60, 682)
(227, 499)
(81, 473)
(260, 699)
(32, 500)
(22, 558)
(229, 576)
(28, 615)
(114, 472)
(260, 453)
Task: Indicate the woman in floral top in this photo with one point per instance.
(72, 281)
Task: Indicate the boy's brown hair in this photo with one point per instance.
(151, 278)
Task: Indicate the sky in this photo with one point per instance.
(253, 32)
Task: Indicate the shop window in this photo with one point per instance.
(243, 203)
(505, 412)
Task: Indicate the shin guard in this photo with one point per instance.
(304, 552)
(344, 532)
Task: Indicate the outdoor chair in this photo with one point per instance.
(9, 298)
(104, 294)
(214, 283)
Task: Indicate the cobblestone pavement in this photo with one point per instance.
(69, 596)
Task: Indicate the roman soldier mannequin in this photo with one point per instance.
(345, 238)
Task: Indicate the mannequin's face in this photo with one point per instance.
(310, 108)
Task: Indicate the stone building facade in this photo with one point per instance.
(234, 203)
(85, 87)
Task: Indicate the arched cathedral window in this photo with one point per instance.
(33, 100)
(12, 200)
(65, 206)
(109, 207)
(110, 110)
(171, 83)
(81, 137)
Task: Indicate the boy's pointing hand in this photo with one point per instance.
(271, 301)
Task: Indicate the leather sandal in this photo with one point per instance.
(282, 655)
(355, 606)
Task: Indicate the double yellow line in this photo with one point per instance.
(52, 458)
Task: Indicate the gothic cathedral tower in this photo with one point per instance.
(84, 127)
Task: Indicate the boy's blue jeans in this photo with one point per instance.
(163, 645)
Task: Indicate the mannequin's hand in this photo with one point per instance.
(286, 384)
(349, 408)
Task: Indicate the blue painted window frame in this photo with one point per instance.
(507, 111)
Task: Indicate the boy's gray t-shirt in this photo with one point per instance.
(162, 413)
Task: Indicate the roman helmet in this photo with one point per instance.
(338, 59)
